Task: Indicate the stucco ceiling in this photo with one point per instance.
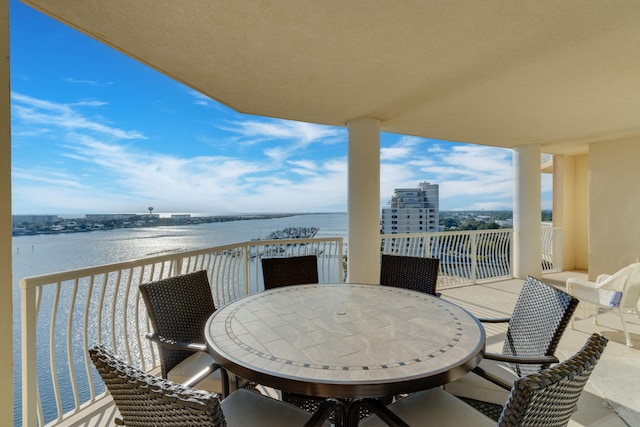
(503, 73)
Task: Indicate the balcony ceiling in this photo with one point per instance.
(500, 73)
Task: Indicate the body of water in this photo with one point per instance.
(51, 253)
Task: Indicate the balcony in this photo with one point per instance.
(65, 313)
(279, 72)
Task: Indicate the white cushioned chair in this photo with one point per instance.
(619, 291)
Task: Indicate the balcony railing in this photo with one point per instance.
(551, 248)
(466, 257)
(65, 313)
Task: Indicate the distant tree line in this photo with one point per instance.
(480, 220)
(68, 225)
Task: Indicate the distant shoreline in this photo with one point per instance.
(59, 225)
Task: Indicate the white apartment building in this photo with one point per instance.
(412, 210)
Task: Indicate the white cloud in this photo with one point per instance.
(87, 82)
(303, 167)
(201, 99)
(299, 135)
(35, 113)
(294, 170)
(212, 184)
(277, 154)
(469, 176)
(404, 148)
(47, 176)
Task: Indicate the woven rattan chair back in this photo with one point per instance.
(286, 271)
(417, 273)
(548, 398)
(146, 400)
(178, 308)
(539, 319)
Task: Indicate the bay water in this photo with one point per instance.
(51, 253)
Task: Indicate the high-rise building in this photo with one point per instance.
(412, 210)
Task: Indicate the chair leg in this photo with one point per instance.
(225, 382)
(624, 328)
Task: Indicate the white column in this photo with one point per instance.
(558, 191)
(6, 310)
(363, 206)
(527, 209)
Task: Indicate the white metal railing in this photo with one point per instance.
(473, 256)
(465, 256)
(551, 248)
(63, 314)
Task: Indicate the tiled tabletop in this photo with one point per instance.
(345, 340)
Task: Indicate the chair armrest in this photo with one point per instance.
(510, 359)
(201, 375)
(573, 282)
(523, 360)
(178, 345)
(587, 291)
(496, 320)
(492, 378)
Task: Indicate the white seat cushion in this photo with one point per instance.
(194, 364)
(433, 408)
(248, 408)
(475, 387)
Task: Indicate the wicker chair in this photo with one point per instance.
(147, 400)
(540, 317)
(285, 271)
(417, 273)
(619, 291)
(544, 399)
(178, 308)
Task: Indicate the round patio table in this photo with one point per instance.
(345, 340)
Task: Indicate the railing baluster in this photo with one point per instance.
(72, 375)
(215, 279)
(473, 242)
(114, 297)
(138, 336)
(52, 350)
(125, 309)
(29, 319)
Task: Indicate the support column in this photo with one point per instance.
(527, 210)
(563, 174)
(6, 310)
(363, 206)
(558, 191)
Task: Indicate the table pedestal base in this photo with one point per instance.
(375, 406)
(348, 412)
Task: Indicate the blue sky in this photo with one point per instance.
(97, 132)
